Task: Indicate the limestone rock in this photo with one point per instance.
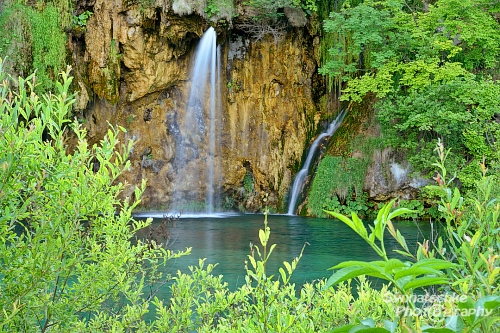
(389, 177)
(138, 67)
(296, 16)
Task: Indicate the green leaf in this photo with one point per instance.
(262, 237)
(352, 269)
(490, 302)
(391, 326)
(424, 282)
(399, 212)
(434, 263)
(438, 330)
(379, 265)
(343, 218)
(467, 305)
(271, 249)
(343, 329)
(394, 265)
(288, 267)
(360, 228)
(401, 240)
(485, 305)
(416, 271)
(456, 198)
(362, 329)
(404, 253)
(283, 274)
(368, 322)
(346, 274)
(455, 323)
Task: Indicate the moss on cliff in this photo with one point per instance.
(32, 39)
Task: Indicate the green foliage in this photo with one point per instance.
(191, 206)
(145, 4)
(68, 260)
(38, 43)
(64, 7)
(416, 206)
(15, 40)
(48, 44)
(111, 75)
(81, 20)
(228, 203)
(406, 277)
(471, 24)
(309, 6)
(359, 205)
(386, 47)
(459, 113)
(219, 8)
(469, 256)
(431, 67)
(265, 303)
(335, 178)
(472, 237)
(212, 9)
(248, 182)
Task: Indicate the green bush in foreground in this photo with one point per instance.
(465, 265)
(67, 258)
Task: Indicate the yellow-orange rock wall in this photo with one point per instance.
(267, 106)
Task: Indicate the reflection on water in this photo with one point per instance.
(226, 241)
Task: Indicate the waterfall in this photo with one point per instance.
(302, 174)
(196, 145)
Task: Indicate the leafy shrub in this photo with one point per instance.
(473, 231)
(68, 260)
(459, 113)
(466, 263)
(416, 207)
(358, 204)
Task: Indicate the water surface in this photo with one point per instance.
(225, 240)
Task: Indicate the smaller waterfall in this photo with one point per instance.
(302, 174)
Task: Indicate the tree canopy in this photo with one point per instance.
(434, 68)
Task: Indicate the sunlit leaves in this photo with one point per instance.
(460, 112)
(428, 46)
(65, 236)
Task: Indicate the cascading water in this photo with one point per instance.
(302, 174)
(195, 146)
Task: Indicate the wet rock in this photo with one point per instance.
(268, 110)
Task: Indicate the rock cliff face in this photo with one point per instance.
(132, 67)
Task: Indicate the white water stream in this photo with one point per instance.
(300, 178)
(199, 138)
